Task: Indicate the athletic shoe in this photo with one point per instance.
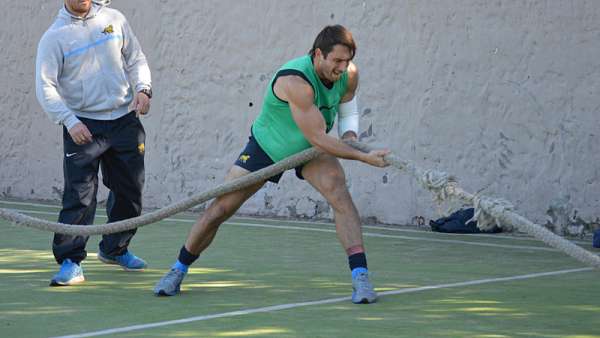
(170, 284)
(127, 261)
(362, 290)
(70, 273)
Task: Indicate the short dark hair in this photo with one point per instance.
(331, 36)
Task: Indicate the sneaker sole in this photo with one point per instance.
(132, 270)
(365, 301)
(163, 293)
(107, 261)
(73, 281)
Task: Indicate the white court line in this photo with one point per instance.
(366, 234)
(381, 227)
(376, 227)
(30, 204)
(317, 302)
(372, 234)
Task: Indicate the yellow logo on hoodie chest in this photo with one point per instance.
(108, 30)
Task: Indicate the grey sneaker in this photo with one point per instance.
(362, 290)
(170, 284)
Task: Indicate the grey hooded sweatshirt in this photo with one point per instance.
(86, 67)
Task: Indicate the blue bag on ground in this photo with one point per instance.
(458, 222)
(596, 240)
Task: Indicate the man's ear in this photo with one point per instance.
(318, 53)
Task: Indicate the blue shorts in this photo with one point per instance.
(254, 158)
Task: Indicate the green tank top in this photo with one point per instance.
(275, 130)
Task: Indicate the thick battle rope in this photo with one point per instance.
(488, 211)
(157, 215)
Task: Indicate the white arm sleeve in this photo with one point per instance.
(348, 117)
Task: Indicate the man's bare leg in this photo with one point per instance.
(223, 207)
(203, 232)
(326, 174)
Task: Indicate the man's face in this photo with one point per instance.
(78, 7)
(330, 68)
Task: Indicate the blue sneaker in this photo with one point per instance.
(170, 284)
(362, 290)
(70, 273)
(128, 261)
(596, 240)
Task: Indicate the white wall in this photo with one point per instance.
(505, 95)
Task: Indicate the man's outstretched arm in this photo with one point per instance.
(299, 94)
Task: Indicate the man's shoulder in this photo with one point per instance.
(352, 69)
(55, 31)
(297, 62)
(298, 69)
(112, 13)
(294, 87)
(352, 76)
(296, 79)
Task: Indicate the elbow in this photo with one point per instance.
(41, 97)
(318, 141)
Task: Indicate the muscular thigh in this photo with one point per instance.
(325, 173)
(236, 172)
(238, 197)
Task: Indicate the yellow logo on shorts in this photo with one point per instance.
(244, 158)
(108, 30)
(141, 148)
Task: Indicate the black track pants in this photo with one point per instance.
(118, 149)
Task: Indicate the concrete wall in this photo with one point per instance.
(503, 94)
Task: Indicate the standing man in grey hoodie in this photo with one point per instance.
(92, 78)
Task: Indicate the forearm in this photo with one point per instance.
(55, 108)
(139, 73)
(337, 148)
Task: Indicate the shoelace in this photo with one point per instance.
(363, 281)
(64, 268)
(173, 275)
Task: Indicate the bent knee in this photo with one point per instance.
(219, 210)
(333, 187)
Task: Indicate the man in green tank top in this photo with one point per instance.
(300, 106)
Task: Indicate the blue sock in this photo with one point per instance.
(180, 266)
(357, 271)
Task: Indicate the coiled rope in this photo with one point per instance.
(488, 211)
